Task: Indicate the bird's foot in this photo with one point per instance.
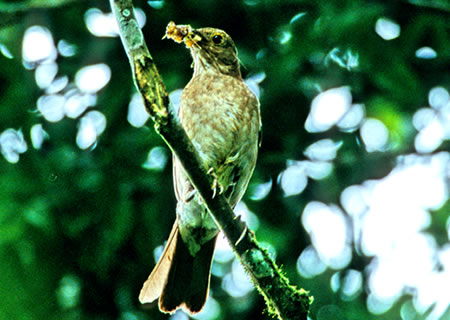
(216, 185)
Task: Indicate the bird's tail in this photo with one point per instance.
(179, 279)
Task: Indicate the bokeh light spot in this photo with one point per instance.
(254, 81)
(12, 144)
(239, 285)
(405, 256)
(353, 200)
(86, 135)
(261, 190)
(104, 24)
(156, 159)
(211, 311)
(223, 252)
(38, 45)
(426, 53)
(100, 24)
(317, 170)
(69, 290)
(374, 134)
(335, 282)
(91, 126)
(66, 49)
(242, 211)
(179, 315)
(5, 51)
(353, 118)
(328, 108)
(430, 137)
(51, 107)
(309, 264)
(423, 117)
(98, 119)
(328, 231)
(293, 180)
(175, 99)
(323, 150)
(351, 284)
(156, 4)
(77, 102)
(93, 78)
(137, 115)
(438, 97)
(387, 29)
(38, 135)
(348, 60)
(45, 74)
(377, 306)
(285, 37)
(57, 85)
(297, 17)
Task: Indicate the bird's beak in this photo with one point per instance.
(193, 39)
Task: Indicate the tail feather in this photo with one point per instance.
(179, 279)
(155, 283)
(187, 285)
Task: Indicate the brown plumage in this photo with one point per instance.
(221, 117)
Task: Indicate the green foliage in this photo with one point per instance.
(78, 228)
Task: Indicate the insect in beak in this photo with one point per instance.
(183, 33)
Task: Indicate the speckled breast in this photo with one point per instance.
(220, 115)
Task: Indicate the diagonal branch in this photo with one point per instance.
(283, 300)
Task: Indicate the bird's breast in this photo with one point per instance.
(219, 114)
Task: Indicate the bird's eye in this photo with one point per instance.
(217, 39)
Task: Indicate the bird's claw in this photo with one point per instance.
(244, 232)
(216, 185)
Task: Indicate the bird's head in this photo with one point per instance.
(212, 49)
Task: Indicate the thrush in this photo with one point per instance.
(221, 116)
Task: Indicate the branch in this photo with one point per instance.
(283, 300)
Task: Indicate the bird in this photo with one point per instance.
(221, 117)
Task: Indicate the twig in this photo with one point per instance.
(283, 300)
